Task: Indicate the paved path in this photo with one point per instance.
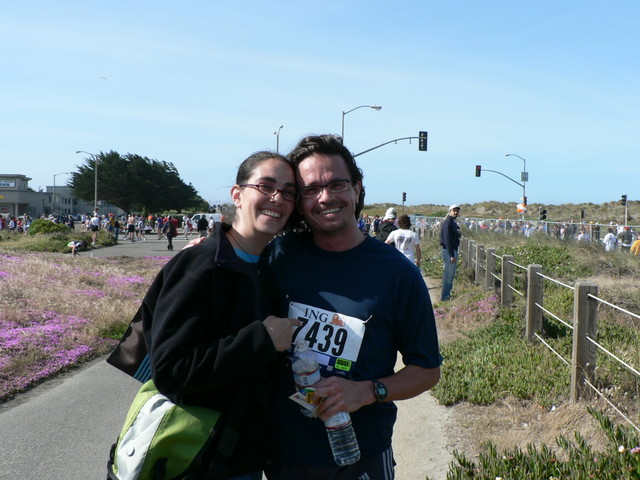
(63, 429)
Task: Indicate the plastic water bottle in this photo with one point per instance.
(306, 372)
(304, 363)
(342, 439)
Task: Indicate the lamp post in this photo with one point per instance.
(375, 107)
(95, 183)
(277, 134)
(54, 188)
(524, 177)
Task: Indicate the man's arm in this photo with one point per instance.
(341, 395)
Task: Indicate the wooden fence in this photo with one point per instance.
(483, 261)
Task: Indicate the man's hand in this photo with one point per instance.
(280, 330)
(341, 395)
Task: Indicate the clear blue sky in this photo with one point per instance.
(203, 84)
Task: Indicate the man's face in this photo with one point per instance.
(454, 213)
(327, 213)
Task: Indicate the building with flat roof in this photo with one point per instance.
(17, 198)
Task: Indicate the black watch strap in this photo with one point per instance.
(380, 391)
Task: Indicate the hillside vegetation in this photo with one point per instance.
(598, 213)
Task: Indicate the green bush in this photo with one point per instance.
(42, 225)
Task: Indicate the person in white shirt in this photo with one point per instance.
(406, 240)
(610, 241)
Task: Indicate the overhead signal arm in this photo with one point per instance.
(422, 143)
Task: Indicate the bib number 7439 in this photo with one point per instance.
(334, 337)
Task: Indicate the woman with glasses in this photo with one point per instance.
(209, 340)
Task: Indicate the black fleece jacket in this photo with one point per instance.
(202, 320)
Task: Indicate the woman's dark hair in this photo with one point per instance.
(404, 222)
(329, 145)
(246, 168)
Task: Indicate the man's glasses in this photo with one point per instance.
(334, 187)
(270, 190)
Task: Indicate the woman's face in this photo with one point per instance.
(260, 213)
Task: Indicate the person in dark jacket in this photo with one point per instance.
(209, 339)
(170, 231)
(450, 241)
(203, 226)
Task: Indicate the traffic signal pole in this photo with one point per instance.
(422, 139)
(479, 169)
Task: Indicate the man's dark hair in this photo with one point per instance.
(329, 145)
(404, 222)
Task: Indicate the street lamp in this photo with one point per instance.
(54, 188)
(523, 177)
(375, 107)
(277, 134)
(95, 184)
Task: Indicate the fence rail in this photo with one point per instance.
(483, 262)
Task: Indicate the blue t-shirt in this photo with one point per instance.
(374, 285)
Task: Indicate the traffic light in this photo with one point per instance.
(623, 200)
(404, 197)
(524, 201)
(478, 170)
(422, 141)
(543, 214)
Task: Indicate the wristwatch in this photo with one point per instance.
(380, 391)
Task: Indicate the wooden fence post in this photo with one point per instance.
(490, 270)
(507, 280)
(479, 268)
(585, 323)
(470, 253)
(464, 246)
(535, 288)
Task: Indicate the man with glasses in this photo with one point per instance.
(359, 302)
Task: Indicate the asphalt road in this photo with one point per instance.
(64, 428)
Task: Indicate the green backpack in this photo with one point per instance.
(161, 440)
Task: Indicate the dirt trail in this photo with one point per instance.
(421, 445)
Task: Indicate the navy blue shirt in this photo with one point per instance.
(450, 235)
(374, 283)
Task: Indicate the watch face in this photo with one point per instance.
(381, 391)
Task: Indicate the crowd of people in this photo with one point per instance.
(15, 224)
(612, 237)
(136, 228)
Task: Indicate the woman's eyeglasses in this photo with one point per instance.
(270, 190)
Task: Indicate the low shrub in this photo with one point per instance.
(44, 226)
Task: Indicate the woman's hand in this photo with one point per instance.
(281, 331)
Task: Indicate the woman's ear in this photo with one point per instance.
(235, 195)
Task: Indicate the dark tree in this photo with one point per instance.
(134, 183)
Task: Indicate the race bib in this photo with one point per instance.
(335, 338)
